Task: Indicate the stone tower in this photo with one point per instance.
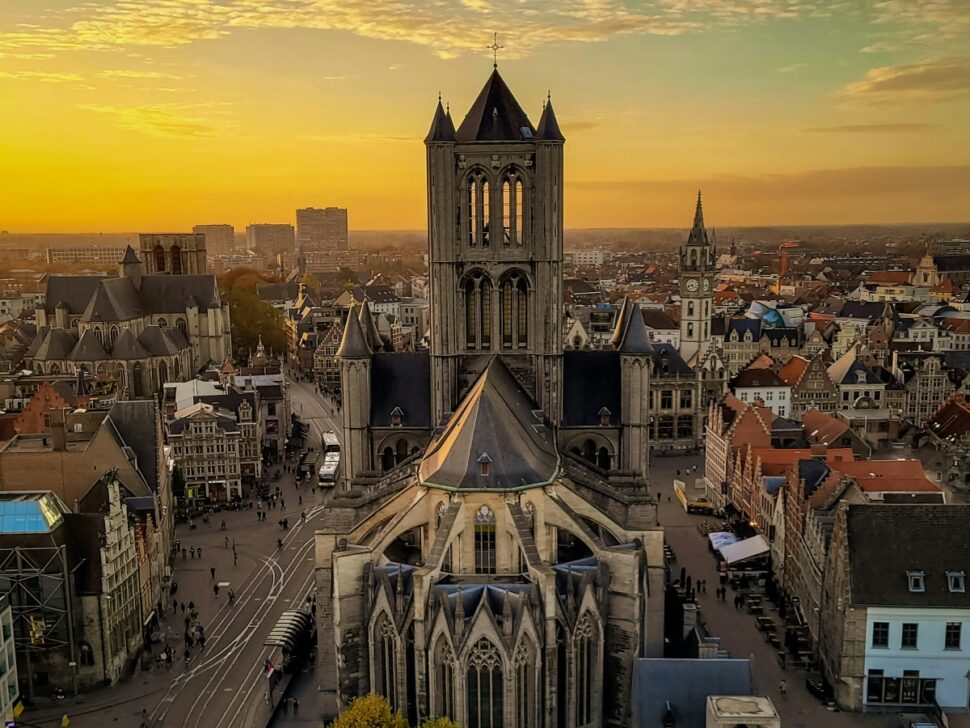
(697, 271)
(495, 237)
(175, 253)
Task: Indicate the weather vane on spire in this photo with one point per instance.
(495, 48)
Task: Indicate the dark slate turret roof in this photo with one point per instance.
(496, 423)
(130, 256)
(353, 345)
(88, 348)
(548, 129)
(369, 327)
(442, 128)
(630, 334)
(495, 116)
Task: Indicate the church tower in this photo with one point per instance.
(495, 238)
(697, 271)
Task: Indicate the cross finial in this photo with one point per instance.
(439, 97)
(495, 48)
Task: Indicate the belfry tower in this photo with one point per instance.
(697, 270)
(495, 228)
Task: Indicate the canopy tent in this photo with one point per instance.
(720, 539)
(749, 548)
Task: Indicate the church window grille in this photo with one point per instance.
(525, 692)
(159, 253)
(690, 308)
(180, 325)
(485, 693)
(519, 227)
(402, 451)
(515, 312)
(384, 662)
(387, 459)
(139, 384)
(162, 323)
(485, 320)
(512, 210)
(112, 335)
(603, 458)
(478, 312)
(485, 541)
(55, 368)
(444, 680)
(589, 451)
(690, 328)
(99, 335)
(176, 253)
(584, 652)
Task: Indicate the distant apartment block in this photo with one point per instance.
(219, 239)
(331, 260)
(270, 238)
(322, 228)
(585, 257)
(86, 254)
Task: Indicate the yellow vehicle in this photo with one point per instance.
(695, 504)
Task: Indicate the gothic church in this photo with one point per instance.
(492, 550)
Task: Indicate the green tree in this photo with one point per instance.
(371, 711)
(346, 276)
(252, 318)
(439, 723)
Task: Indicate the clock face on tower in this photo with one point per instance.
(691, 284)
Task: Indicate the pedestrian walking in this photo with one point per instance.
(184, 552)
(199, 551)
(303, 516)
(188, 656)
(282, 504)
(215, 590)
(783, 688)
(299, 500)
(202, 643)
(286, 706)
(235, 559)
(183, 607)
(212, 572)
(192, 552)
(296, 707)
(227, 542)
(286, 523)
(191, 606)
(175, 605)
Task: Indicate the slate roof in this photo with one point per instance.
(134, 421)
(353, 344)
(630, 334)
(813, 472)
(496, 423)
(54, 343)
(117, 299)
(130, 256)
(442, 129)
(742, 326)
(758, 378)
(581, 403)
(686, 685)
(845, 370)
(669, 361)
(162, 342)
(88, 348)
(548, 129)
(495, 116)
(902, 538)
(401, 380)
(126, 346)
(170, 294)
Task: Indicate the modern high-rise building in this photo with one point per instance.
(219, 239)
(270, 238)
(322, 228)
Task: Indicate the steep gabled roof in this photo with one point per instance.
(793, 370)
(56, 344)
(495, 116)
(353, 345)
(548, 129)
(130, 256)
(116, 299)
(88, 348)
(126, 346)
(442, 130)
(630, 333)
(496, 439)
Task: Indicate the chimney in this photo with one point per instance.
(59, 437)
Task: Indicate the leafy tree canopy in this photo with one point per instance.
(371, 711)
(251, 319)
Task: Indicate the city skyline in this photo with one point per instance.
(159, 115)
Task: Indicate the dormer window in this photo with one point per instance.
(861, 377)
(604, 415)
(917, 581)
(397, 414)
(956, 581)
(484, 460)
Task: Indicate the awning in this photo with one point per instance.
(720, 539)
(292, 626)
(749, 548)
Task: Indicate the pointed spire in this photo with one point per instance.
(369, 327)
(442, 128)
(698, 234)
(630, 334)
(548, 129)
(699, 212)
(353, 345)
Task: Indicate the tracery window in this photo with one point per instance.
(159, 253)
(485, 541)
(99, 335)
(525, 687)
(513, 199)
(385, 666)
(180, 325)
(485, 688)
(478, 210)
(444, 660)
(515, 311)
(478, 311)
(112, 335)
(176, 253)
(585, 659)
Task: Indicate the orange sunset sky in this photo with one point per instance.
(160, 114)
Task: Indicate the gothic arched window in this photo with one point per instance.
(387, 459)
(513, 206)
(176, 253)
(402, 451)
(138, 383)
(478, 312)
(180, 325)
(159, 253)
(485, 687)
(385, 667)
(515, 311)
(485, 541)
(525, 686)
(112, 335)
(444, 689)
(162, 323)
(99, 335)
(478, 209)
(585, 656)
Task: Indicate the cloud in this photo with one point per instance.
(870, 128)
(42, 76)
(574, 125)
(792, 68)
(449, 28)
(930, 80)
(334, 78)
(123, 73)
(169, 120)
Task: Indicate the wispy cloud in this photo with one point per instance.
(124, 73)
(169, 120)
(930, 80)
(448, 27)
(792, 68)
(890, 128)
(42, 76)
